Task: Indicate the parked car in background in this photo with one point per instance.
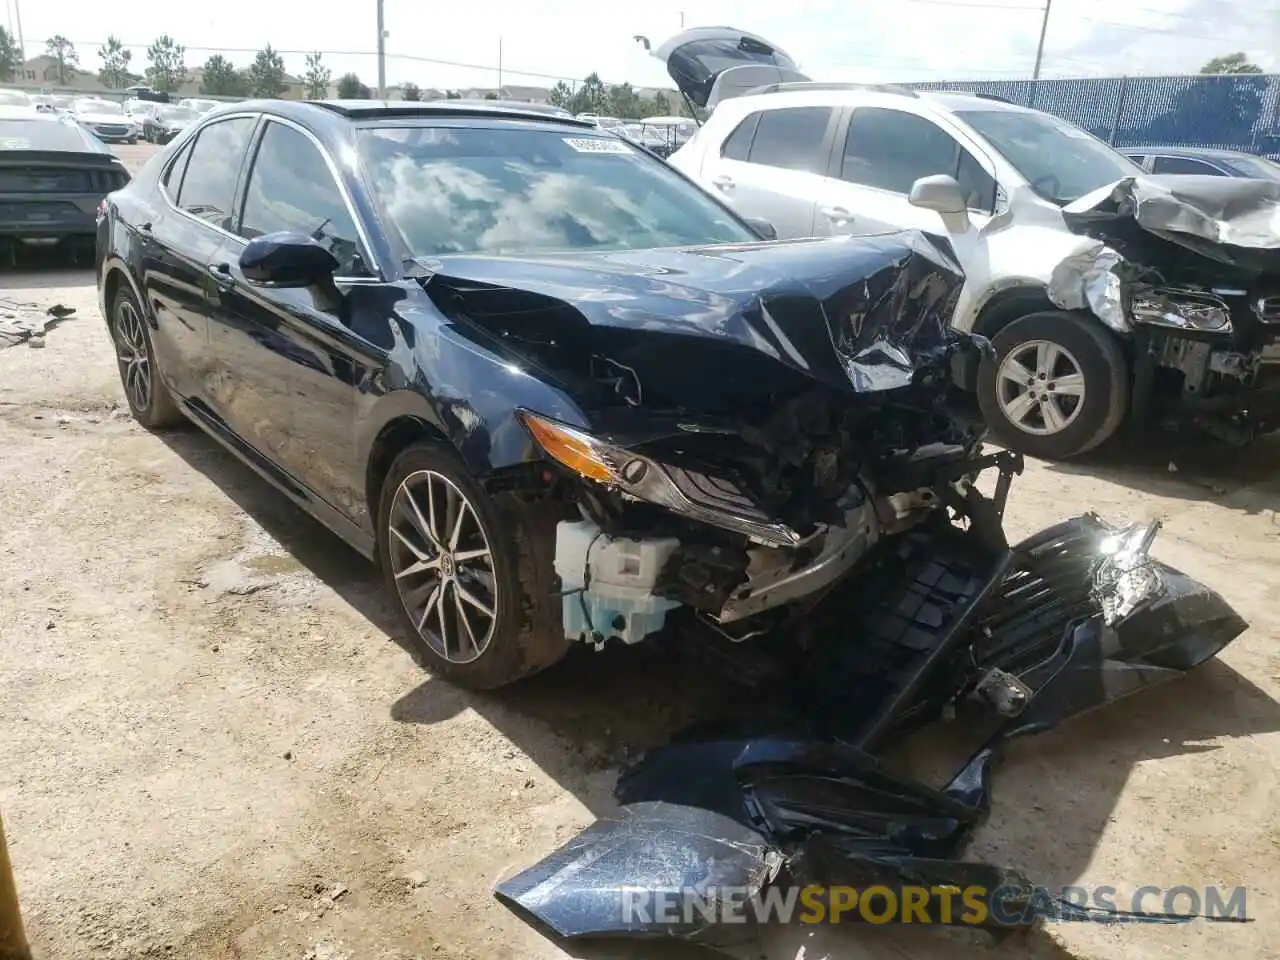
(140, 109)
(199, 105)
(165, 123)
(1014, 190)
(661, 135)
(53, 176)
(1202, 161)
(105, 119)
(144, 92)
(16, 98)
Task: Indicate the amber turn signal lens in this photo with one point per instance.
(570, 448)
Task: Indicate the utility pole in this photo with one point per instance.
(22, 50)
(1044, 28)
(382, 54)
(13, 939)
(499, 66)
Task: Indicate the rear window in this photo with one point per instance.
(509, 190)
(41, 134)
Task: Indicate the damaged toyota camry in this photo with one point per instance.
(562, 395)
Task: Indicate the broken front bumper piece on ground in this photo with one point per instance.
(714, 835)
(1188, 270)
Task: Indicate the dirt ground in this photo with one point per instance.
(210, 747)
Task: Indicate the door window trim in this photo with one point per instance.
(255, 145)
(1156, 157)
(194, 141)
(961, 138)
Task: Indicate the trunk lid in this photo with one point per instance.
(710, 64)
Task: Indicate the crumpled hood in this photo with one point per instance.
(1232, 220)
(862, 314)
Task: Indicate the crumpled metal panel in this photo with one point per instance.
(605, 881)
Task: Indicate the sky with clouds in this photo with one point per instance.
(457, 44)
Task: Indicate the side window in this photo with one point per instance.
(1184, 165)
(738, 144)
(172, 179)
(208, 188)
(291, 188)
(792, 137)
(891, 150)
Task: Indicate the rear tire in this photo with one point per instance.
(493, 570)
(1058, 386)
(149, 399)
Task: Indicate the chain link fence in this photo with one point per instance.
(1235, 112)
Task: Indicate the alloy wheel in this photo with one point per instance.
(1040, 387)
(131, 354)
(443, 567)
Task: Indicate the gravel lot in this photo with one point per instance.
(212, 749)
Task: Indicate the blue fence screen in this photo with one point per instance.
(1235, 112)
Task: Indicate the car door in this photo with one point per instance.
(1164, 164)
(182, 241)
(292, 361)
(884, 152)
(772, 166)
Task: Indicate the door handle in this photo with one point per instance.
(837, 214)
(723, 183)
(221, 273)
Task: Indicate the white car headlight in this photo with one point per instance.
(1182, 309)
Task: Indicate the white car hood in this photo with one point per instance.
(117, 119)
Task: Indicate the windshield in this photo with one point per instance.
(1061, 162)
(507, 191)
(98, 106)
(1256, 167)
(14, 98)
(176, 115)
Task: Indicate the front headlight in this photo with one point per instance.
(1182, 309)
(713, 500)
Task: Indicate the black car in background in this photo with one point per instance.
(166, 122)
(53, 177)
(1202, 161)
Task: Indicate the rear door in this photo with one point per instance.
(292, 363)
(1165, 164)
(883, 152)
(773, 165)
(181, 245)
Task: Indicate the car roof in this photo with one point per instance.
(944, 100)
(332, 114)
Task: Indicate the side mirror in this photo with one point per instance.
(287, 260)
(939, 192)
(766, 229)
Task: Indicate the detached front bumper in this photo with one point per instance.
(713, 831)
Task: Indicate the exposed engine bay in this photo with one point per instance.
(1188, 269)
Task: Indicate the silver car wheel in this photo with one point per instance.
(131, 354)
(1040, 387)
(443, 567)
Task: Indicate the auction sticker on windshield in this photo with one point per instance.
(597, 145)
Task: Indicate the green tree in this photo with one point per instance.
(317, 77)
(623, 101)
(661, 105)
(491, 95)
(410, 91)
(561, 95)
(62, 50)
(1231, 63)
(452, 95)
(590, 97)
(114, 72)
(266, 74)
(220, 78)
(168, 69)
(10, 56)
(350, 88)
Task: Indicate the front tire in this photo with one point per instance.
(1058, 386)
(149, 399)
(472, 578)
